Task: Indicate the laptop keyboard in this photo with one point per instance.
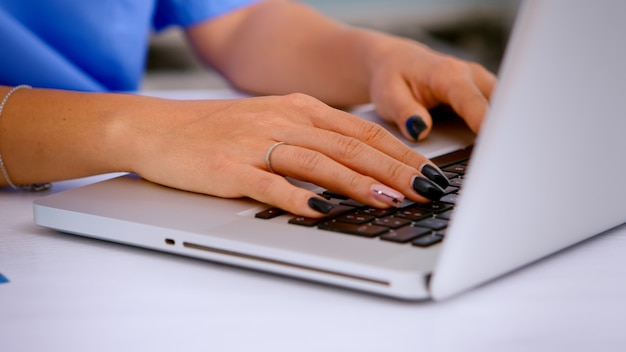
(421, 224)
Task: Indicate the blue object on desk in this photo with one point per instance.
(3, 279)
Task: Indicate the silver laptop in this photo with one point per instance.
(545, 173)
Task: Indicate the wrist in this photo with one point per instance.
(132, 127)
(140, 130)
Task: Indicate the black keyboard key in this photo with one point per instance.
(428, 240)
(455, 157)
(352, 203)
(334, 212)
(422, 224)
(441, 233)
(433, 223)
(456, 182)
(365, 230)
(377, 212)
(329, 194)
(457, 168)
(413, 214)
(270, 213)
(445, 215)
(449, 174)
(405, 234)
(302, 221)
(450, 198)
(392, 222)
(435, 207)
(451, 189)
(355, 218)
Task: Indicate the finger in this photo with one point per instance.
(469, 103)
(484, 79)
(275, 190)
(465, 88)
(334, 132)
(349, 160)
(363, 146)
(398, 104)
(312, 166)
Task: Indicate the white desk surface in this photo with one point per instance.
(68, 293)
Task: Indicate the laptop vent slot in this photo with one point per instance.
(281, 263)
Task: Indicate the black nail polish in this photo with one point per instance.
(427, 188)
(320, 205)
(415, 126)
(435, 175)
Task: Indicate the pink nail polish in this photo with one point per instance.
(387, 195)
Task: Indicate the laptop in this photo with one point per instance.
(541, 178)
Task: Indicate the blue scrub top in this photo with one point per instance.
(89, 45)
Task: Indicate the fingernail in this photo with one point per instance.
(415, 126)
(320, 205)
(387, 195)
(433, 174)
(427, 188)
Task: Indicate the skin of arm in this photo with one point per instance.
(51, 135)
(279, 47)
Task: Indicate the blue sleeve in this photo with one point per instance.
(27, 59)
(90, 45)
(185, 13)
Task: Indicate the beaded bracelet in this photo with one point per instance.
(34, 187)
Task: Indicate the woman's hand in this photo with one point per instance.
(222, 152)
(408, 79)
(215, 147)
(279, 47)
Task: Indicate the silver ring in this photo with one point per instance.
(268, 155)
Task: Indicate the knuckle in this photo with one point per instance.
(396, 170)
(480, 70)
(349, 148)
(353, 182)
(453, 65)
(301, 101)
(374, 133)
(409, 156)
(448, 72)
(308, 161)
(301, 108)
(474, 66)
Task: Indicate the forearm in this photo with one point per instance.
(281, 47)
(49, 135)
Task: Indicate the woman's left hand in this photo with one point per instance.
(408, 79)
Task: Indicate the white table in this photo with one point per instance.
(68, 293)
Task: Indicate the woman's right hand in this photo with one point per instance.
(219, 148)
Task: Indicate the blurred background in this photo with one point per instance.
(475, 30)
